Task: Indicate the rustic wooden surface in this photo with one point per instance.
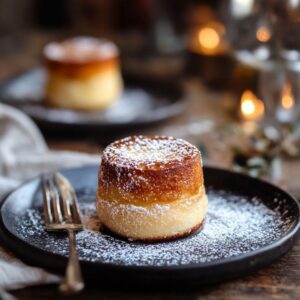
(281, 280)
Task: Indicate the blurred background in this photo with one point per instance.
(140, 28)
(224, 75)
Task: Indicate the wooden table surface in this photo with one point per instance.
(281, 280)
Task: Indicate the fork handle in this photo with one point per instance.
(73, 281)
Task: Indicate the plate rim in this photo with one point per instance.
(291, 235)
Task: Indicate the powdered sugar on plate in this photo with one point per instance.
(234, 225)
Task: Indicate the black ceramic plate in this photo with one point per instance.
(249, 224)
(145, 101)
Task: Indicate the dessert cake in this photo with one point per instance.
(151, 188)
(83, 73)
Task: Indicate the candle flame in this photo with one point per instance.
(263, 34)
(209, 38)
(251, 107)
(287, 98)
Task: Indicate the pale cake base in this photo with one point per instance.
(153, 222)
(97, 91)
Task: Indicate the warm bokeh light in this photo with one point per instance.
(209, 38)
(248, 107)
(252, 108)
(263, 34)
(287, 98)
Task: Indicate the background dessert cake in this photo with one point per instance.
(83, 73)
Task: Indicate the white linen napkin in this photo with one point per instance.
(24, 154)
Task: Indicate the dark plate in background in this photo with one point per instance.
(144, 102)
(249, 224)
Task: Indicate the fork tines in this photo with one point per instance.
(60, 203)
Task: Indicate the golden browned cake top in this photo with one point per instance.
(80, 50)
(150, 169)
(149, 152)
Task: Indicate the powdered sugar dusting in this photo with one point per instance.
(234, 225)
(143, 151)
(80, 49)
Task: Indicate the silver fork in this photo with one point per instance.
(61, 214)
